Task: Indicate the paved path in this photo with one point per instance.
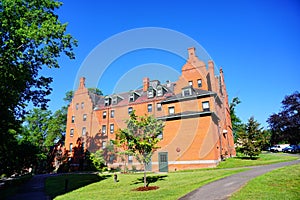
(33, 189)
(223, 188)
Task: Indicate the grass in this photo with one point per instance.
(263, 159)
(282, 183)
(171, 186)
(67, 182)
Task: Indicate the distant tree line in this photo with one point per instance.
(284, 127)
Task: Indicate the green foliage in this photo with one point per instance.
(97, 160)
(285, 125)
(251, 139)
(140, 137)
(237, 125)
(95, 91)
(32, 37)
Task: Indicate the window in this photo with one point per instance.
(82, 105)
(71, 147)
(77, 105)
(158, 107)
(72, 132)
(159, 91)
(104, 114)
(150, 94)
(83, 131)
(129, 110)
(187, 91)
(130, 158)
(84, 117)
(103, 129)
(160, 135)
(115, 100)
(82, 145)
(73, 119)
(131, 98)
(199, 81)
(205, 106)
(190, 83)
(112, 114)
(107, 102)
(112, 128)
(103, 144)
(171, 110)
(149, 107)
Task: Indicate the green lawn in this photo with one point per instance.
(263, 159)
(171, 186)
(282, 183)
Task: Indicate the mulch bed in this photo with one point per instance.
(146, 188)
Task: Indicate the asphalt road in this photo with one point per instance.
(223, 188)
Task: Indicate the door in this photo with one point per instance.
(163, 161)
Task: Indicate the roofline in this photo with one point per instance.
(188, 97)
(188, 115)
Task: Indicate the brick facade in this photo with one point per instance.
(197, 133)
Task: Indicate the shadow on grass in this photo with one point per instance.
(247, 158)
(59, 185)
(150, 179)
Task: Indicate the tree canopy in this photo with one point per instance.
(141, 137)
(32, 37)
(285, 125)
(235, 120)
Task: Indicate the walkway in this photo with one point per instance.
(33, 189)
(223, 188)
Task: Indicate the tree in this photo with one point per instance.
(251, 139)
(235, 120)
(31, 37)
(140, 138)
(285, 125)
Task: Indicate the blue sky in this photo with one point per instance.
(257, 43)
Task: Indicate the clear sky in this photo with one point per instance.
(257, 43)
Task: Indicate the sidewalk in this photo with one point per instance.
(223, 188)
(33, 189)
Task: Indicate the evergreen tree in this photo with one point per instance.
(251, 139)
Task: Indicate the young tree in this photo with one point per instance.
(141, 138)
(285, 125)
(31, 37)
(251, 139)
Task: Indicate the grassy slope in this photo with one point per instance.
(173, 186)
(282, 183)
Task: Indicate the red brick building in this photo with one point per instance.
(195, 111)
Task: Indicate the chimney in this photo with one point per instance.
(191, 51)
(145, 84)
(82, 83)
(211, 71)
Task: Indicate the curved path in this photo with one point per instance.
(223, 188)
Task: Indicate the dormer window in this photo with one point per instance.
(107, 101)
(187, 91)
(115, 99)
(133, 96)
(160, 91)
(150, 92)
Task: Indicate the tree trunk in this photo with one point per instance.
(145, 179)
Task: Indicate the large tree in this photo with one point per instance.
(31, 37)
(141, 137)
(251, 138)
(285, 125)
